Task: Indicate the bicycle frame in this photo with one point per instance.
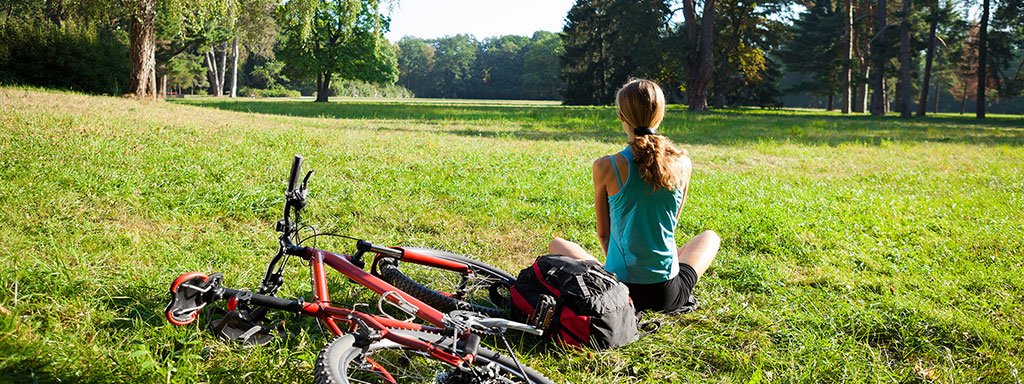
(190, 292)
(321, 308)
(329, 315)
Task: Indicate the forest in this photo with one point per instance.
(853, 56)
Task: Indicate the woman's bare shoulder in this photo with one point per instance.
(685, 163)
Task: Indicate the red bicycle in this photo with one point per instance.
(369, 347)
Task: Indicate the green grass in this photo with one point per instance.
(854, 248)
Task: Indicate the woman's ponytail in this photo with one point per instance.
(642, 107)
(658, 160)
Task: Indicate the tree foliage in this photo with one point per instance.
(1006, 49)
(186, 72)
(607, 42)
(86, 58)
(453, 64)
(502, 67)
(499, 66)
(416, 66)
(813, 49)
(540, 66)
(728, 53)
(746, 37)
(336, 38)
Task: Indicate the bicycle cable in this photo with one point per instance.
(326, 234)
(512, 354)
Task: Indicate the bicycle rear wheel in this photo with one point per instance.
(342, 362)
(485, 290)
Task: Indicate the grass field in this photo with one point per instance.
(855, 249)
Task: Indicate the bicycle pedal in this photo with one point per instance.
(233, 327)
(546, 307)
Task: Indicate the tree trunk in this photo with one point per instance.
(904, 99)
(211, 70)
(963, 103)
(142, 82)
(886, 102)
(699, 62)
(323, 87)
(922, 104)
(234, 69)
(848, 62)
(223, 68)
(830, 103)
(982, 58)
(935, 109)
(863, 53)
(878, 62)
(163, 86)
(862, 90)
(719, 98)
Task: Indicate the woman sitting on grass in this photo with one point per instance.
(638, 196)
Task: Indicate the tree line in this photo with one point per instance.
(865, 55)
(147, 48)
(503, 67)
(859, 55)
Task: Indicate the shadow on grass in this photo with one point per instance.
(725, 127)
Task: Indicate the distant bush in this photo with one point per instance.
(75, 57)
(272, 92)
(355, 88)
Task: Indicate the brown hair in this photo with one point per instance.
(642, 105)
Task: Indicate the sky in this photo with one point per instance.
(480, 18)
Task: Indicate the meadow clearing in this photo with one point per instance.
(855, 249)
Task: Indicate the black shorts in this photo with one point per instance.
(668, 296)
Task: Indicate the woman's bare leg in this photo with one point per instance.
(699, 251)
(560, 246)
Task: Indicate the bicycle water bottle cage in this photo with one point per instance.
(397, 301)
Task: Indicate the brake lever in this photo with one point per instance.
(305, 181)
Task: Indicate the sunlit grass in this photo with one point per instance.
(855, 248)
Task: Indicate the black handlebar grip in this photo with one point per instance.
(293, 177)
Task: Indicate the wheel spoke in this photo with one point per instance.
(340, 360)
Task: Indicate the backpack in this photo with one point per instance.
(575, 302)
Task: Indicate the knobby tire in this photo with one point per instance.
(342, 362)
(445, 301)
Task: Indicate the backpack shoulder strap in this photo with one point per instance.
(646, 327)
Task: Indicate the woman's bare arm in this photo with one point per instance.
(686, 169)
(602, 167)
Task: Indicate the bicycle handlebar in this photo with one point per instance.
(293, 177)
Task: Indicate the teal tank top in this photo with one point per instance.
(642, 244)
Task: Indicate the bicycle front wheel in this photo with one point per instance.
(385, 362)
(485, 290)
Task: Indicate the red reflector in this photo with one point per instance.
(232, 303)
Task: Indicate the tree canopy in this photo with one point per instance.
(704, 53)
(343, 38)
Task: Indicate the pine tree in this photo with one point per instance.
(580, 64)
(606, 42)
(814, 50)
(879, 57)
